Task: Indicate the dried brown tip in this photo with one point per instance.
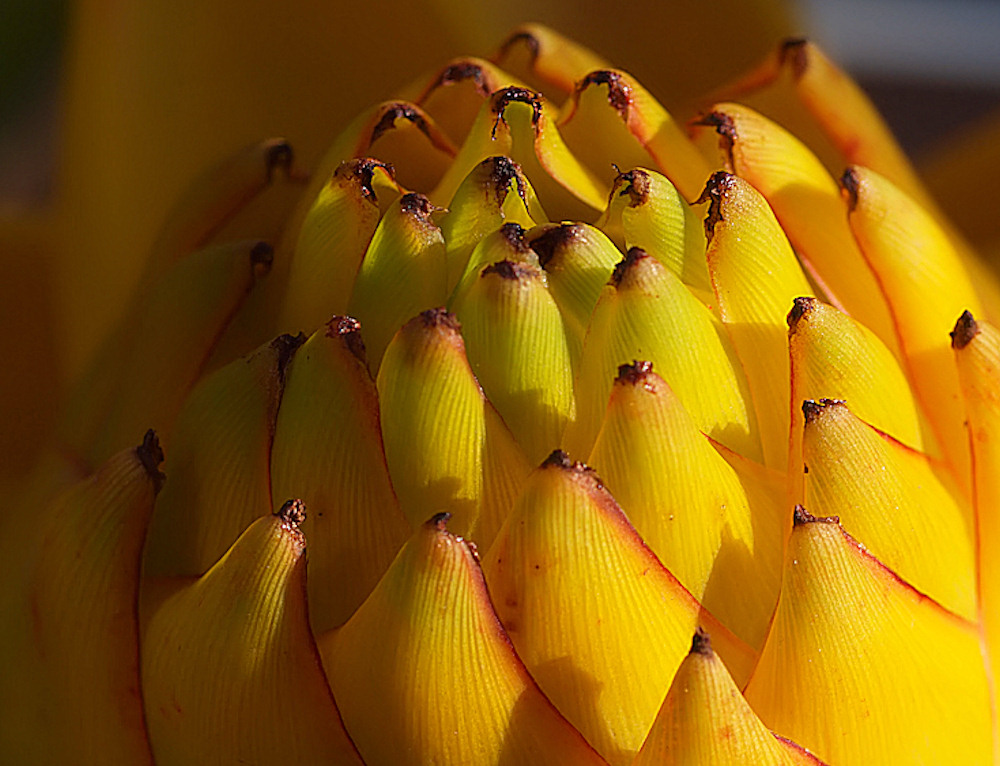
(794, 52)
(502, 171)
(362, 172)
(513, 233)
(348, 330)
(636, 183)
(553, 239)
(513, 270)
(439, 521)
(261, 258)
(286, 346)
(965, 330)
(440, 317)
(557, 459)
(278, 156)
(459, 71)
(850, 182)
(619, 91)
(150, 454)
(725, 127)
(527, 38)
(716, 188)
(505, 96)
(632, 257)
(801, 516)
(292, 512)
(398, 110)
(800, 307)
(701, 643)
(634, 373)
(417, 205)
(812, 408)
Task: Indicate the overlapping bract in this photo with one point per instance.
(701, 345)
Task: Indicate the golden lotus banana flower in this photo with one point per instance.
(553, 428)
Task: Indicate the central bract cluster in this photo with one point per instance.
(651, 488)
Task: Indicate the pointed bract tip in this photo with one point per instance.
(439, 317)
(701, 643)
(292, 512)
(513, 233)
(634, 373)
(285, 347)
(524, 36)
(278, 156)
(362, 172)
(632, 257)
(619, 91)
(417, 205)
(794, 51)
(512, 270)
(553, 239)
(261, 258)
(850, 182)
(800, 307)
(724, 126)
(348, 331)
(965, 330)
(813, 408)
(637, 184)
(459, 71)
(506, 96)
(501, 172)
(800, 517)
(150, 454)
(439, 521)
(557, 459)
(398, 110)
(715, 189)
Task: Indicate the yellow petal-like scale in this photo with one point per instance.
(86, 585)
(544, 57)
(230, 668)
(688, 503)
(493, 193)
(646, 312)
(517, 346)
(606, 663)
(927, 286)
(423, 672)
(507, 243)
(328, 452)
(977, 354)
(649, 212)
(446, 446)
(403, 272)
(755, 276)
(807, 203)
(861, 668)
(219, 462)
(331, 242)
(705, 720)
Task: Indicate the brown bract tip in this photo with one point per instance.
(636, 183)
(440, 317)
(506, 96)
(800, 307)
(286, 345)
(261, 258)
(725, 127)
(461, 70)
(801, 516)
(503, 170)
(553, 239)
(513, 233)
(560, 459)
(851, 184)
(812, 408)
(794, 51)
(510, 270)
(439, 521)
(348, 331)
(701, 643)
(965, 330)
(557, 459)
(150, 454)
(530, 41)
(278, 155)
(619, 91)
(635, 373)
(362, 171)
(632, 257)
(292, 512)
(716, 188)
(397, 110)
(417, 205)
